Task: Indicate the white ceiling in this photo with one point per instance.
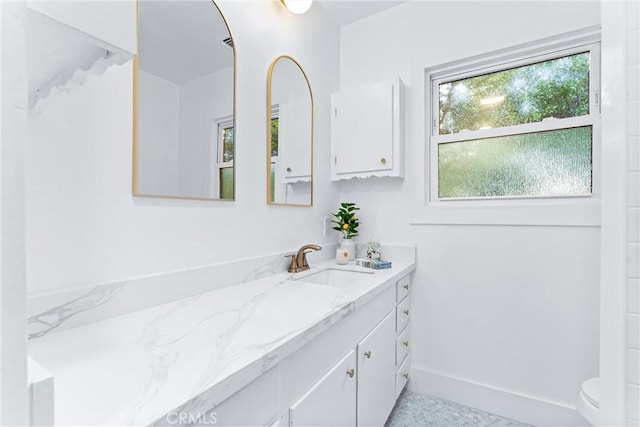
(344, 12)
(182, 40)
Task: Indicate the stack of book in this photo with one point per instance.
(370, 263)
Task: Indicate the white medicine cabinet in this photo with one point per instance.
(367, 131)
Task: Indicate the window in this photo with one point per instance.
(224, 163)
(519, 126)
(274, 151)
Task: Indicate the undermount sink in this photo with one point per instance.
(334, 276)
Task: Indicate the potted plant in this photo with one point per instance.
(347, 223)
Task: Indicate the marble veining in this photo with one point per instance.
(192, 354)
(54, 312)
(49, 320)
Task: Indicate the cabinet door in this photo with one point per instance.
(377, 373)
(294, 141)
(363, 129)
(332, 400)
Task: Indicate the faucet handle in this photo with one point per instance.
(293, 267)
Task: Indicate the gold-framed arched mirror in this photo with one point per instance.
(289, 134)
(184, 102)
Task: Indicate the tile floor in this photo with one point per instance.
(419, 410)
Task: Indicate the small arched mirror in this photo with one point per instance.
(289, 134)
(184, 96)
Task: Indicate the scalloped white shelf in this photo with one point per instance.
(61, 58)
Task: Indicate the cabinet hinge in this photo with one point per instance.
(335, 160)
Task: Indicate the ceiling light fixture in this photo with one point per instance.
(297, 6)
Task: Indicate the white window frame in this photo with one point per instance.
(218, 150)
(275, 114)
(506, 59)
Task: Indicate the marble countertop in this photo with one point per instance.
(193, 353)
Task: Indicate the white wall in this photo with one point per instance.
(158, 117)
(83, 225)
(13, 135)
(202, 101)
(505, 316)
(619, 402)
(633, 214)
(177, 148)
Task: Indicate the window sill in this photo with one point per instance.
(539, 215)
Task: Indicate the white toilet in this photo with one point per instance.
(589, 401)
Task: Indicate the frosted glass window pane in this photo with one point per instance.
(226, 183)
(558, 88)
(551, 163)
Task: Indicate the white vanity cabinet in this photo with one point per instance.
(376, 374)
(359, 389)
(349, 375)
(367, 131)
(332, 400)
(403, 315)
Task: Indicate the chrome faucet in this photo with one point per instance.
(299, 260)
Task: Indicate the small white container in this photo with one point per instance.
(349, 245)
(342, 256)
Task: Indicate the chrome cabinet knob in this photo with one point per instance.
(406, 286)
(288, 169)
(368, 354)
(383, 161)
(406, 376)
(351, 373)
(406, 343)
(406, 312)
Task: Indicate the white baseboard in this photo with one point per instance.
(509, 404)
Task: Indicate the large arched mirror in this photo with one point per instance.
(289, 134)
(184, 102)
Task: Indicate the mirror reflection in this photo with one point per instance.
(184, 144)
(289, 134)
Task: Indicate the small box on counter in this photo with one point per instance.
(375, 264)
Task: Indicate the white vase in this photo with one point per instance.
(349, 246)
(342, 256)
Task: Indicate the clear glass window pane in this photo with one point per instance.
(274, 136)
(226, 183)
(557, 88)
(227, 147)
(550, 163)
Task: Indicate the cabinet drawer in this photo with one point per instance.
(402, 376)
(402, 346)
(402, 314)
(402, 288)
